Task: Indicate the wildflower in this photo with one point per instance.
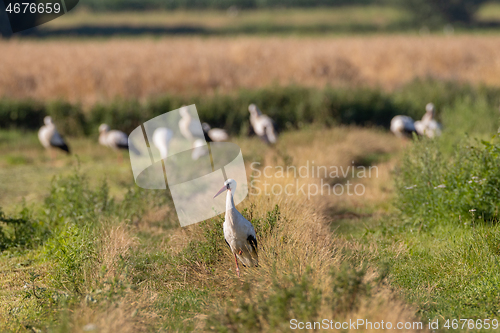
(472, 210)
(440, 186)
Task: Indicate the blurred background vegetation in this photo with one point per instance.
(426, 11)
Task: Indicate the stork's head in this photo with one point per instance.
(184, 112)
(254, 110)
(47, 120)
(103, 128)
(206, 127)
(229, 185)
(429, 108)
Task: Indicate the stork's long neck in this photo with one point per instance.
(428, 116)
(229, 201)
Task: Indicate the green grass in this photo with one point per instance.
(367, 19)
(82, 248)
(442, 243)
(258, 21)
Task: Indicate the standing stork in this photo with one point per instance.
(50, 138)
(428, 126)
(262, 125)
(115, 139)
(161, 140)
(188, 126)
(239, 233)
(402, 126)
(214, 134)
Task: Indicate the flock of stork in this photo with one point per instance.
(404, 126)
(262, 125)
(239, 233)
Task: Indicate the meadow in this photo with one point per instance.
(83, 249)
(89, 251)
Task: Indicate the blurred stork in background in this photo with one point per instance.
(200, 149)
(428, 126)
(193, 132)
(188, 126)
(116, 140)
(403, 126)
(50, 138)
(239, 233)
(161, 140)
(214, 134)
(262, 125)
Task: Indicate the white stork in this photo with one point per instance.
(402, 126)
(161, 140)
(262, 125)
(188, 126)
(428, 126)
(50, 138)
(214, 134)
(116, 140)
(239, 233)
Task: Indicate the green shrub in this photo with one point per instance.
(461, 107)
(434, 188)
(22, 232)
(434, 12)
(117, 5)
(23, 114)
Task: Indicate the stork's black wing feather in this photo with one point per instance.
(227, 243)
(253, 242)
(58, 144)
(207, 137)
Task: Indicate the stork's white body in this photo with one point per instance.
(115, 139)
(161, 140)
(112, 138)
(402, 126)
(239, 233)
(190, 129)
(428, 126)
(214, 134)
(237, 230)
(262, 125)
(431, 128)
(49, 136)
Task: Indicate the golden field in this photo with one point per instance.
(88, 71)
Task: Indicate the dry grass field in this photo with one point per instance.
(88, 71)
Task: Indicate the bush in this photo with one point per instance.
(21, 232)
(291, 107)
(26, 114)
(434, 12)
(117, 5)
(432, 188)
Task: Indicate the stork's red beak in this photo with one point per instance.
(224, 188)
